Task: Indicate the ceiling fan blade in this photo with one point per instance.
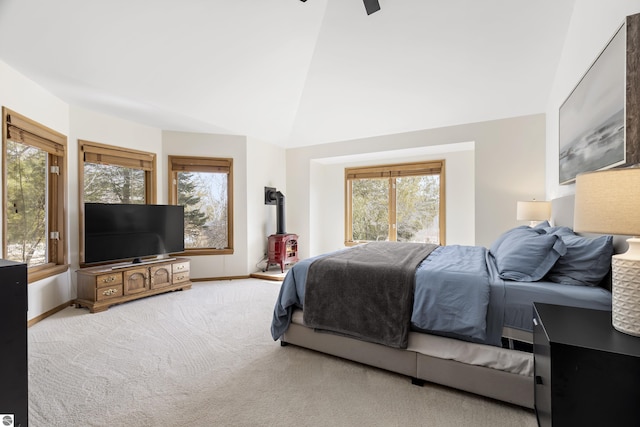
(371, 6)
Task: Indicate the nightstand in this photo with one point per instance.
(586, 373)
(14, 393)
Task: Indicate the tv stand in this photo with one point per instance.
(140, 262)
(107, 285)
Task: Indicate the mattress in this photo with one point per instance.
(510, 305)
(520, 296)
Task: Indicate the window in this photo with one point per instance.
(204, 186)
(116, 175)
(34, 202)
(403, 203)
(109, 174)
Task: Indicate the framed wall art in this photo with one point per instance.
(592, 118)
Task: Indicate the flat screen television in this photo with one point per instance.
(116, 232)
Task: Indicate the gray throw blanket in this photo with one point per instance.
(365, 292)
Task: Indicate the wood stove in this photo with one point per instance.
(283, 246)
(283, 250)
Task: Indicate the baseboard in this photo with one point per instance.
(275, 276)
(46, 314)
(209, 279)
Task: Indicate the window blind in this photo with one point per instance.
(399, 170)
(195, 164)
(22, 130)
(100, 154)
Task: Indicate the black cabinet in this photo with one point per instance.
(586, 372)
(14, 405)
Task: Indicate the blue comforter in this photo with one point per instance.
(457, 293)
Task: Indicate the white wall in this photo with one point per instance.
(265, 168)
(593, 23)
(508, 166)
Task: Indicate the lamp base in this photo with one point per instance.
(625, 304)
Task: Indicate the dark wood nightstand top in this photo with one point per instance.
(586, 328)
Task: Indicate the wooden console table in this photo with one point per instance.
(104, 286)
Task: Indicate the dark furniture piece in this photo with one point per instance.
(13, 342)
(586, 372)
(283, 250)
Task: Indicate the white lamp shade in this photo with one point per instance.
(608, 202)
(533, 211)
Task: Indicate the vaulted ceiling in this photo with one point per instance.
(288, 72)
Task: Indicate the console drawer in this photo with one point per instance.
(110, 279)
(181, 277)
(108, 292)
(180, 267)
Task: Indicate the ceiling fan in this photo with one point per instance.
(370, 5)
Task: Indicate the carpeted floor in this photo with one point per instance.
(204, 357)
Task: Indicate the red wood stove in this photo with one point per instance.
(283, 249)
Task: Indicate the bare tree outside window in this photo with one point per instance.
(402, 202)
(113, 184)
(35, 204)
(417, 209)
(204, 197)
(370, 198)
(26, 204)
(204, 186)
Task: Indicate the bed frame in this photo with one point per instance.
(413, 362)
(489, 382)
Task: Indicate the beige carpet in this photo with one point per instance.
(204, 357)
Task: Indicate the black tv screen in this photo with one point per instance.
(122, 231)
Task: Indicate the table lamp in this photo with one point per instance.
(608, 202)
(533, 211)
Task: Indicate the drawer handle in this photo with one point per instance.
(180, 267)
(181, 277)
(108, 279)
(109, 292)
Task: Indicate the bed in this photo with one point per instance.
(474, 337)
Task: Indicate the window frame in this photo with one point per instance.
(32, 133)
(178, 164)
(117, 156)
(393, 171)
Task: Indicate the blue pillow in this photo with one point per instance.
(559, 231)
(586, 261)
(494, 246)
(526, 254)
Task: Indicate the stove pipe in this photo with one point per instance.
(280, 213)
(273, 197)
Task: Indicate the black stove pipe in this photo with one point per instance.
(273, 197)
(280, 213)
